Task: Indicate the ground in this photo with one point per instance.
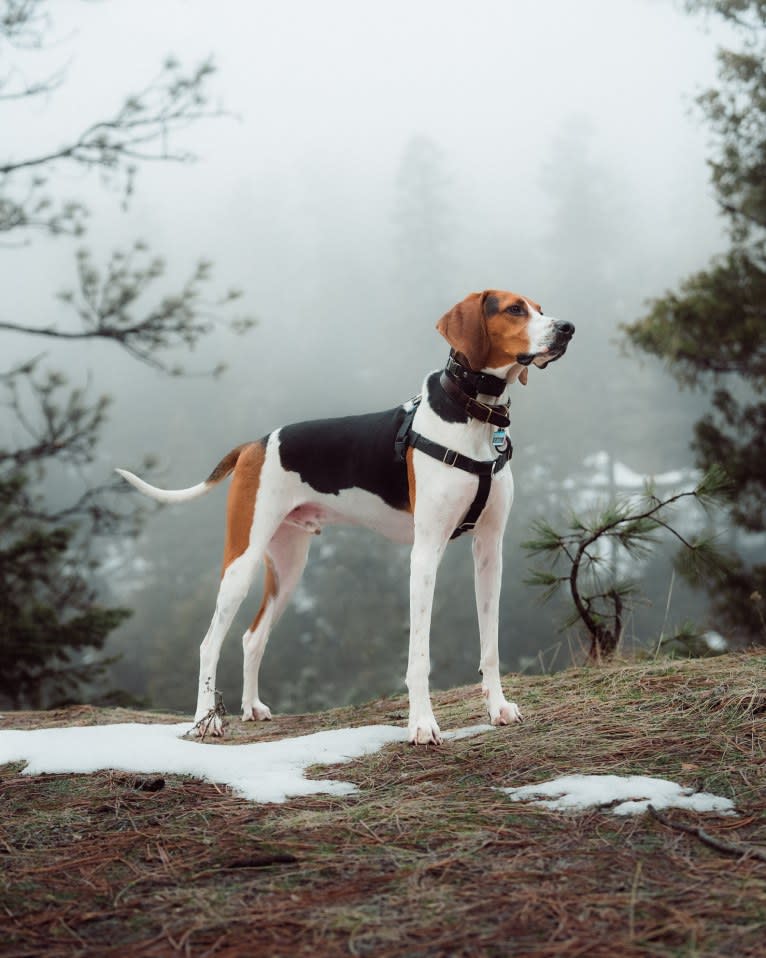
(428, 858)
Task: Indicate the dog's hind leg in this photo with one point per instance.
(285, 560)
(233, 589)
(248, 534)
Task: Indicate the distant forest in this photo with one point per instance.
(105, 599)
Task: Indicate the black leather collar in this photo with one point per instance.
(471, 382)
(496, 415)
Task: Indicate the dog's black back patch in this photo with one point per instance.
(350, 452)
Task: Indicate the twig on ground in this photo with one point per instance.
(219, 709)
(728, 848)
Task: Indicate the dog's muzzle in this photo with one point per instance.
(563, 333)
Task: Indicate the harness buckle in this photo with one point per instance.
(450, 453)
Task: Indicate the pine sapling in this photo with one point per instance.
(585, 555)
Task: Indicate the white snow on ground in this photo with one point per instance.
(633, 792)
(274, 771)
(260, 771)
(623, 477)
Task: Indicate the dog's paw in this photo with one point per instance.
(425, 731)
(506, 714)
(257, 712)
(207, 724)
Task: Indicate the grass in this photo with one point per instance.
(428, 858)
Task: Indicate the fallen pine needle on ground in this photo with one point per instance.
(420, 852)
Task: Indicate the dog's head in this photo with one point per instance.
(497, 330)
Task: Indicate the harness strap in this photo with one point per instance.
(476, 508)
(485, 469)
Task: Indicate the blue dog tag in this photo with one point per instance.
(499, 439)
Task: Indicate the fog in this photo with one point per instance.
(376, 163)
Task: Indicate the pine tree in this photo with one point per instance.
(52, 625)
(711, 332)
(585, 556)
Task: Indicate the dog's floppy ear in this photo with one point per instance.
(465, 327)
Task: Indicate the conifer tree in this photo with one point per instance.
(711, 332)
(52, 625)
(587, 555)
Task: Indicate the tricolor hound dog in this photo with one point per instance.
(420, 473)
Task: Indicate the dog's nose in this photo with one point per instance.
(566, 329)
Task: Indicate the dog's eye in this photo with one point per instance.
(516, 309)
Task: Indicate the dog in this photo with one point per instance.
(421, 473)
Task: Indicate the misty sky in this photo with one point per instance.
(293, 197)
(328, 94)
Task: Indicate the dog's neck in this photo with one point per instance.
(482, 395)
(486, 384)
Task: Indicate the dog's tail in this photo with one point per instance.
(224, 468)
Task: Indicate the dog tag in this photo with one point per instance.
(499, 439)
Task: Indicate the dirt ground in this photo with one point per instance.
(427, 858)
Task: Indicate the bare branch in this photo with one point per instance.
(61, 426)
(23, 23)
(169, 103)
(112, 305)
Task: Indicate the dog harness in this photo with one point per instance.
(455, 380)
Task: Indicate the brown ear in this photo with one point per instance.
(524, 376)
(465, 329)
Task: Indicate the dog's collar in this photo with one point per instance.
(472, 382)
(497, 415)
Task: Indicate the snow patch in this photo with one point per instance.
(626, 478)
(634, 793)
(715, 641)
(260, 771)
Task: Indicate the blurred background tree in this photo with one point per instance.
(52, 509)
(711, 331)
(424, 224)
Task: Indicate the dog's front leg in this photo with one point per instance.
(488, 570)
(424, 561)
